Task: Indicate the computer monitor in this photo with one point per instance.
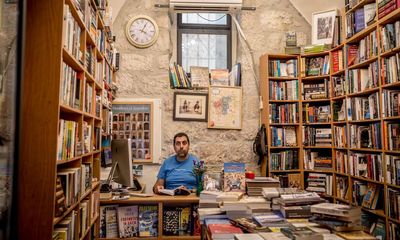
(121, 171)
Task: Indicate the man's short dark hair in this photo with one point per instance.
(181, 134)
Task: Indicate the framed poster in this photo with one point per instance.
(322, 26)
(225, 107)
(190, 106)
(136, 120)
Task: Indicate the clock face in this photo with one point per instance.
(142, 31)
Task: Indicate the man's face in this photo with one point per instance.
(181, 147)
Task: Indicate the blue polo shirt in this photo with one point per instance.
(177, 173)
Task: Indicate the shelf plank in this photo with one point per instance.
(365, 92)
(360, 35)
(363, 64)
(360, 5)
(340, 72)
(154, 200)
(283, 78)
(309, 78)
(390, 52)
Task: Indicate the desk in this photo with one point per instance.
(160, 201)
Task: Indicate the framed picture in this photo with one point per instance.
(190, 106)
(225, 107)
(137, 120)
(323, 26)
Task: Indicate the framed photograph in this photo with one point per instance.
(190, 106)
(323, 26)
(137, 120)
(225, 107)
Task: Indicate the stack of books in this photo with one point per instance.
(273, 194)
(298, 205)
(337, 217)
(255, 186)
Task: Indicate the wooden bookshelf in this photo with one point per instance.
(49, 98)
(344, 96)
(161, 201)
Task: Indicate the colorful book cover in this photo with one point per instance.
(171, 221)
(234, 177)
(212, 181)
(128, 221)
(184, 221)
(148, 221)
(111, 221)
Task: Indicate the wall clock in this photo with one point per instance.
(142, 31)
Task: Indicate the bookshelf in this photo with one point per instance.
(161, 202)
(64, 79)
(364, 88)
(280, 86)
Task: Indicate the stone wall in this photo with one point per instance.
(144, 73)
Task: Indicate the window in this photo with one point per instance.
(204, 39)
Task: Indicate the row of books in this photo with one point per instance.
(284, 160)
(339, 86)
(313, 136)
(365, 49)
(365, 136)
(202, 77)
(363, 108)
(283, 113)
(67, 139)
(320, 183)
(392, 136)
(315, 66)
(287, 90)
(75, 182)
(71, 87)
(341, 159)
(317, 160)
(366, 166)
(72, 34)
(319, 90)
(339, 110)
(283, 68)
(285, 136)
(340, 139)
(360, 80)
(392, 169)
(390, 69)
(390, 36)
(387, 6)
(316, 114)
(90, 59)
(360, 18)
(337, 61)
(390, 103)
(128, 221)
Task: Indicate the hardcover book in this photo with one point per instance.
(234, 177)
(171, 221)
(128, 221)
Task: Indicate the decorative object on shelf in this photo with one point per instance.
(225, 107)
(199, 169)
(141, 31)
(190, 106)
(323, 26)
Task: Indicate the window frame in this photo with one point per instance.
(215, 29)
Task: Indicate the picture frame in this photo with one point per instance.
(225, 107)
(190, 106)
(322, 26)
(138, 119)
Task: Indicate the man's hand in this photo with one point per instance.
(158, 186)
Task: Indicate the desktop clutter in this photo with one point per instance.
(237, 205)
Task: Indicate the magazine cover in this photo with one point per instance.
(212, 181)
(148, 221)
(234, 177)
(128, 221)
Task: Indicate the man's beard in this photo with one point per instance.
(182, 154)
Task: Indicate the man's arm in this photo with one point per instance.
(158, 185)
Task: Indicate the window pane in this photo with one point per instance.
(205, 50)
(204, 18)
